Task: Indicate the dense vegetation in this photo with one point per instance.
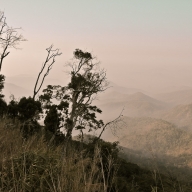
(40, 164)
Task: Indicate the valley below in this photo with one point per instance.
(154, 132)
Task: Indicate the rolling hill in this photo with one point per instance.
(180, 115)
(154, 138)
(176, 97)
(134, 105)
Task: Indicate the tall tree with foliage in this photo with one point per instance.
(75, 100)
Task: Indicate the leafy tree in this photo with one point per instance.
(3, 107)
(52, 120)
(3, 104)
(28, 113)
(75, 99)
(25, 109)
(2, 79)
(12, 109)
(28, 109)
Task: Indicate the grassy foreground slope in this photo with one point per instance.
(38, 164)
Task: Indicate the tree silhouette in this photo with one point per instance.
(28, 109)
(75, 99)
(2, 79)
(52, 120)
(3, 104)
(49, 61)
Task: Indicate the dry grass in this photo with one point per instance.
(33, 165)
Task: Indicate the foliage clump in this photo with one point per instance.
(75, 110)
(3, 104)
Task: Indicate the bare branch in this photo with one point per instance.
(115, 121)
(49, 61)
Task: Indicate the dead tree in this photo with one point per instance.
(50, 60)
(9, 38)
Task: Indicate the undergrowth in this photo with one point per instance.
(38, 164)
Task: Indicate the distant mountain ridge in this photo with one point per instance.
(154, 137)
(177, 97)
(17, 91)
(181, 115)
(134, 105)
(23, 85)
(120, 89)
(28, 81)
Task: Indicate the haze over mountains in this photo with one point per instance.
(157, 126)
(23, 85)
(134, 105)
(153, 123)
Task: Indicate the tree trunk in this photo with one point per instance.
(72, 122)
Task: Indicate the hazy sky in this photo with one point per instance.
(139, 42)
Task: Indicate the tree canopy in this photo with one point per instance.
(75, 109)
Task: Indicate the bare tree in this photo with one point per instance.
(50, 60)
(9, 38)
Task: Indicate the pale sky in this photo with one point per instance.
(141, 43)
